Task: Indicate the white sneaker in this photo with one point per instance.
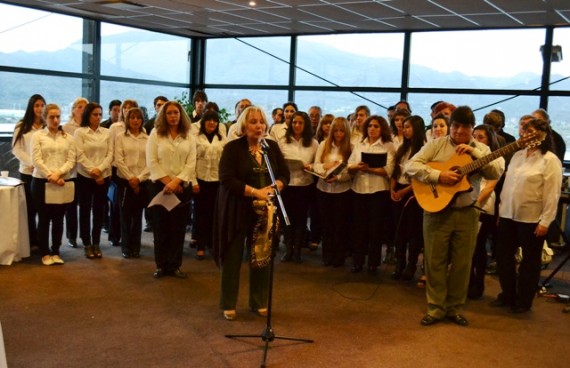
(57, 260)
(47, 260)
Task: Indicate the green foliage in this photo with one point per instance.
(186, 101)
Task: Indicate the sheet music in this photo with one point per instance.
(56, 194)
(168, 201)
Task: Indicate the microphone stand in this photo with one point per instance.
(268, 335)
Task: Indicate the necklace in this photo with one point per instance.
(255, 152)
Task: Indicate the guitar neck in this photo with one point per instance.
(510, 148)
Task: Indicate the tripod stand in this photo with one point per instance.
(268, 335)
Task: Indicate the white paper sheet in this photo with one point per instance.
(56, 194)
(168, 201)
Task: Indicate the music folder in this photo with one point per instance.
(374, 160)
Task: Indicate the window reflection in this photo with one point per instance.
(135, 53)
(488, 59)
(40, 40)
(241, 61)
(365, 60)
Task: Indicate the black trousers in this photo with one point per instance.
(131, 206)
(296, 200)
(408, 239)
(169, 229)
(204, 212)
(479, 263)
(31, 209)
(371, 214)
(71, 223)
(518, 289)
(315, 216)
(47, 214)
(334, 213)
(92, 197)
(114, 224)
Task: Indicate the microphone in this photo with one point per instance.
(264, 144)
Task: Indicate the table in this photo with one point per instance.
(14, 238)
(3, 363)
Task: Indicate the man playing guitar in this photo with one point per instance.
(450, 232)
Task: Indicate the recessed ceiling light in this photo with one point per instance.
(252, 3)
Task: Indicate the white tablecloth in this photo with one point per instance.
(14, 238)
(3, 363)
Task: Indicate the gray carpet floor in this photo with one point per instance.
(112, 313)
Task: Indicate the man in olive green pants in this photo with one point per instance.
(450, 234)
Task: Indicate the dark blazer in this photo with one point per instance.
(234, 213)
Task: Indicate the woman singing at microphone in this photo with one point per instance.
(244, 179)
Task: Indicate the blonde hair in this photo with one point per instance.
(242, 120)
(345, 148)
(74, 104)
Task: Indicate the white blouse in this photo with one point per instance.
(403, 178)
(94, 151)
(532, 188)
(367, 183)
(70, 127)
(52, 152)
(130, 156)
(296, 151)
(23, 150)
(175, 158)
(343, 183)
(208, 156)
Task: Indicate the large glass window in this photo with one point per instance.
(143, 94)
(40, 40)
(560, 70)
(559, 112)
(488, 59)
(365, 60)
(13, 101)
(135, 53)
(481, 104)
(227, 99)
(344, 103)
(251, 61)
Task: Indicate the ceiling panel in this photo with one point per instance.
(218, 18)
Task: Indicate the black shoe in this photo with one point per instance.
(72, 243)
(518, 309)
(115, 243)
(136, 255)
(105, 229)
(356, 269)
(89, 252)
(97, 251)
(158, 273)
(127, 255)
(429, 320)
(409, 272)
(475, 293)
(147, 228)
(179, 274)
(458, 319)
(499, 302)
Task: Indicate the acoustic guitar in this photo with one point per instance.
(435, 197)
